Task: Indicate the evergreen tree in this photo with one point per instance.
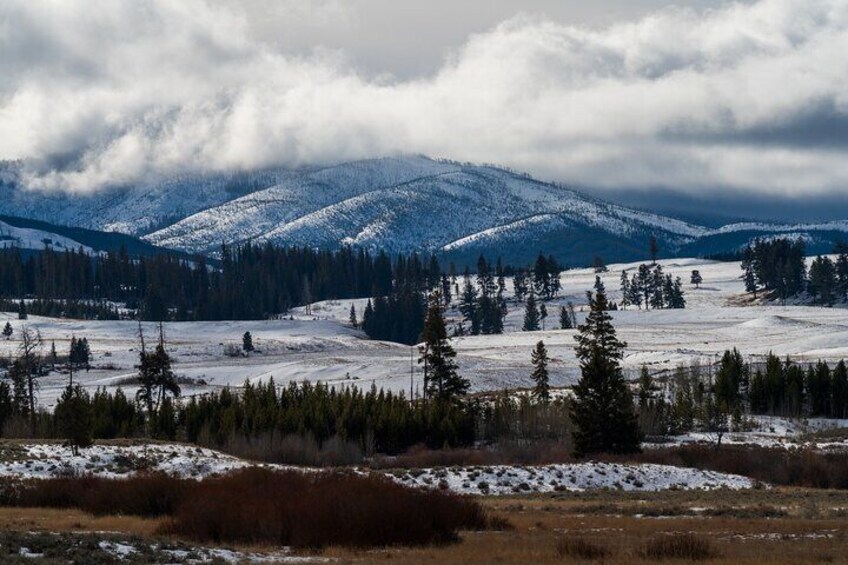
(8, 331)
(354, 323)
(74, 417)
(468, 306)
(22, 310)
(441, 379)
(565, 322)
(841, 250)
(520, 284)
(696, 278)
(599, 266)
(653, 249)
(531, 314)
(541, 387)
(731, 380)
(602, 409)
(625, 290)
(839, 391)
(247, 343)
(543, 314)
(823, 284)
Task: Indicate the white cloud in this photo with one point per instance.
(745, 97)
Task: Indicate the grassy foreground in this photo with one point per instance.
(779, 526)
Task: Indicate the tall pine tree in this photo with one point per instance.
(602, 409)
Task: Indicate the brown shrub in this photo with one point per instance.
(304, 510)
(315, 510)
(778, 466)
(581, 548)
(142, 495)
(678, 546)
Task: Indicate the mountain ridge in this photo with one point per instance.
(400, 204)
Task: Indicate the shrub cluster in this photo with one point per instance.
(302, 510)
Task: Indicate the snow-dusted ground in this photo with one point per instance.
(48, 460)
(321, 348)
(769, 431)
(577, 477)
(42, 461)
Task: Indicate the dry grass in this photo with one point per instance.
(68, 520)
(542, 523)
(688, 547)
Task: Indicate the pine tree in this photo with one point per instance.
(565, 322)
(696, 278)
(531, 314)
(539, 359)
(823, 284)
(247, 342)
(22, 310)
(599, 266)
(839, 391)
(625, 290)
(653, 249)
(74, 417)
(354, 323)
(731, 380)
(8, 331)
(442, 382)
(468, 306)
(602, 409)
(543, 314)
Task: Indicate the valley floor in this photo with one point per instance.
(779, 526)
(321, 347)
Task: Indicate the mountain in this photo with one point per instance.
(136, 209)
(35, 235)
(399, 204)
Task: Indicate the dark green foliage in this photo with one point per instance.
(823, 284)
(696, 278)
(376, 421)
(546, 273)
(653, 288)
(74, 417)
(8, 331)
(602, 410)
(541, 381)
(79, 355)
(532, 316)
(731, 380)
(398, 317)
(247, 343)
(776, 266)
(442, 382)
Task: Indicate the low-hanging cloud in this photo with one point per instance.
(750, 97)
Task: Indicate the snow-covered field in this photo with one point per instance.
(576, 477)
(322, 348)
(48, 460)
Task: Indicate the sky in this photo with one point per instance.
(699, 97)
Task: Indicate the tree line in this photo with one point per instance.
(777, 269)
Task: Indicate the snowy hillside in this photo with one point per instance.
(397, 204)
(28, 238)
(133, 209)
(414, 203)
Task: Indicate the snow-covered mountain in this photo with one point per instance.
(397, 204)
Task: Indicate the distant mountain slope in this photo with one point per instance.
(415, 203)
(34, 235)
(400, 204)
(134, 210)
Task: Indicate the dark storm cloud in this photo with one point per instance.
(748, 97)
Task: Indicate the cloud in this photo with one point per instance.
(748, 97)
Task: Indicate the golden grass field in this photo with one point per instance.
(780, 526)
(777, 526)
